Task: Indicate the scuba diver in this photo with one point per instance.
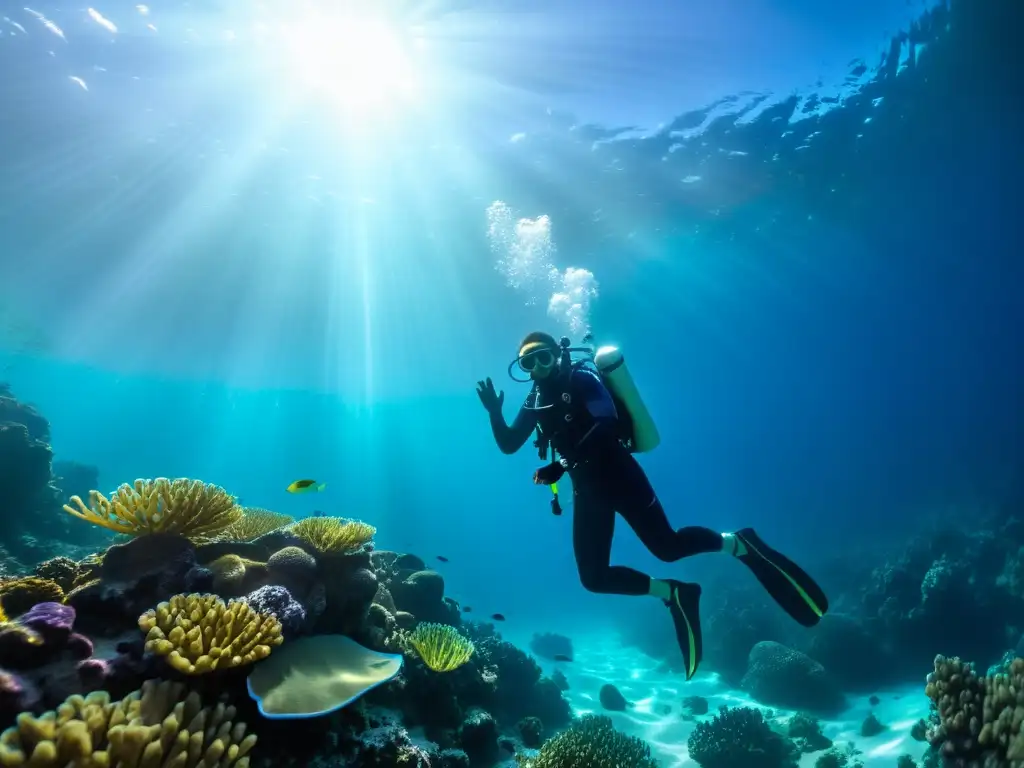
(589, 413)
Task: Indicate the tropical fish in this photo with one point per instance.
(306, 486)
(497, 617)
(442, 558)
(467, 609)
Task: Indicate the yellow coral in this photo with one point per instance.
(441, 647)
(191, 508)
(201, 633)
(334, 534)
(156, 726)
(18, 595)
(254, 523)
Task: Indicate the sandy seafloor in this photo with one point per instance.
(649, 688)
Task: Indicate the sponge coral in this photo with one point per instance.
(201, 633)
(62, 570)
(441, 647)
(334, 534)
(978, 718)
(18, 595)
(155, 726)
(591, 742)
(194, 509)
(255, 522)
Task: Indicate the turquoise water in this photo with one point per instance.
(238, 251)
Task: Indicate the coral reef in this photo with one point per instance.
(591, 742)
(441, 647)
(737, 737)
(784, 677)
(976, 719)
(194, 509)
(62, 571)
(200, 633)
(174, 595)
(836, 757)
(253, 523)
(334, 534)
(157, 725)
(805, 731)
(31, 488)
(133, 577)
(278, 602)
(968, 572)
(19, 595)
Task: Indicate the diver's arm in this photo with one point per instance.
(511, 438)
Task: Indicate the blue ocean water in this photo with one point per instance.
(241, 245)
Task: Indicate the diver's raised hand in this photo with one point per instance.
(490, 399)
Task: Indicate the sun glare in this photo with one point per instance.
(361, 65)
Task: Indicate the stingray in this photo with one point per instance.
(313, 676)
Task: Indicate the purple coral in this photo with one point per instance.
(41, 635)
(279, 601)
(51, 621)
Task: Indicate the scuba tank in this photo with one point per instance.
(611, 364)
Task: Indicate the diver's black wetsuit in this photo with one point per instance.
(605, 479)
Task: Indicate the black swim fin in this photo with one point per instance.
(788, 584)
(684, 604)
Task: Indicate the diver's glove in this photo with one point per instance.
(491, 400)
(549, 474)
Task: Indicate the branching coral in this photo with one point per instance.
(739, 736)
(155, 726)
(254, 523)
(200, 511)
(591, 742)
(201, 633)
(333, 534)
(18, 595)
(441, 647)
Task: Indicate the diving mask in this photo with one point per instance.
(539, 356)
(536, 359)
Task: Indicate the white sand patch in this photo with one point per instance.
(656, 714)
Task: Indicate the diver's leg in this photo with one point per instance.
(635, 499)
(788, 584)
(637, 502)
(593, 525)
